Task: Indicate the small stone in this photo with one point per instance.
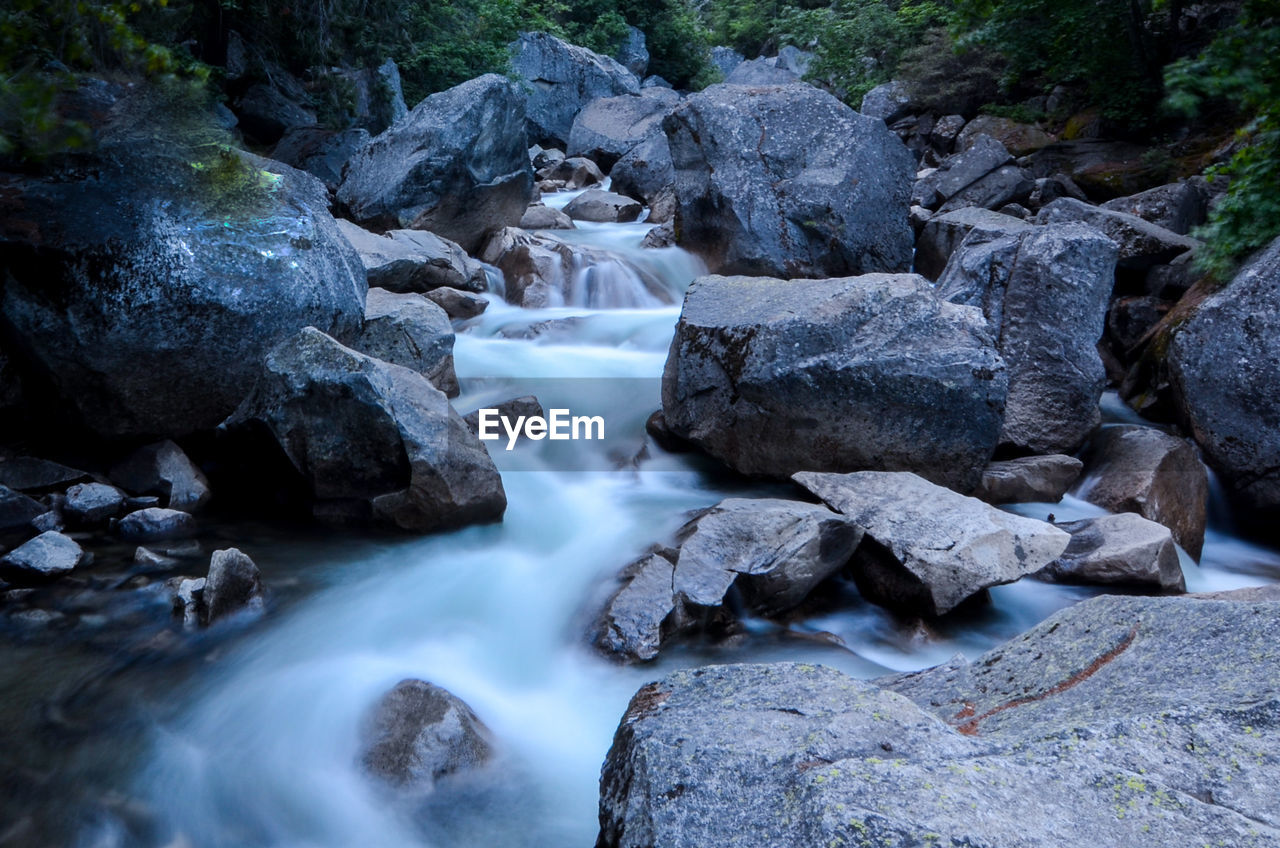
(154, 524)
(92, 503)
(47, 556)
(234, 584)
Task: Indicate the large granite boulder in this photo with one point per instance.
(369, 439)
(645, 171)
(1123, 549)
(928, 549)
(1044, 291)
(1224, 365)
(414, 260)
(411, 331)
(761, 72)
(1029, 478)
(788, 181)
(1115, 722)
(559, 79)
(143, 288)
(872, 372)
(1142, 243)
(1178, 207)
(959, 172)
(322, 153)
(457, 165)
(608, 128)
(943, 234)
(418, 734)
(888, 101)
(162, 469)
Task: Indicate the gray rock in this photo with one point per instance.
(1115, 721)
(945, 131)
(788, 181)
(413, 260)
(1009, 184)
(322, 153)
(642, 614)
(889, 102)
(1021, 139)
(774, 377)
(46, 557)
(187, 594)
(633, 54)
(411, 331)
(458, 305)
(156, 524)
(1044, 291)
(163, 469)
(526, 406)
(373, 97)
(359, 430)
(760, 72)
(662, 207)
(17, 510)
(1029, 479)
(547, 157)
(266, 113)
(931, 548)
(51, 520)
(603, 206)
(418, 734)
(574, 173)
(92, 503)
(794, 59)
(942, 235)
(1124, 549)
(559, 79)
(645, 171)
(653, 81)
(1130, 319)
(1223, 363)
(1178, 207)
(1142, 244)
(149, 560)
(726, 59)
(234, 585)
(660, 91)
(1131, 468)
(540, 217)
(31, 474)
(960, 171)
(659, 237)
(607, 129)
(457, 165)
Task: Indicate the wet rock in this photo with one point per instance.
(1029, 479)
(927, 549)
(1142, 244)
(457, 165)
(959, 172)
(51, 520)
(17, 511)
(358, 431)
(646, 170)
(233, 585)
(561, 79)
(1115, 705)
(188, 601)
(573, 173)
(603, 206)
(773, 377)
(92, 503)
(889, 102)
(1044, 291)
(150, 560)
(30, 474)
(413, 260)
(411, 331)
(1131, 468)
(1020, 139)
(418, 734)
(156, 524)
(660, 236)
(323, 154)
(163, 469)
(1124, 549)
(46, 557)
(607, 129)
(1178, 207)
(1224, 364)
(642, 613)
(527, 406)
(540, 217)
(759, 73)
(458, 305)
(942, 235)
(788, 181)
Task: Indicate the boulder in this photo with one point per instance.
(1130, 319)
(660, 90)
(889, 102)
(1001, 187)
(1020, 139)
(233, 585)
(373, 98)
(92, 503)
(1131, 468)
(126, 291)
(606, 129)
(1224, 365)
(659, 237)
(161, 468)
(788, 181)
(942, 234)
(1104, 169)
(1124, 549)
(32, 474)
(1178, 207)
(16, 512)
(1115, 721)
(411, 331)
(457, 165)
(645, 171)
(46, 557)
(458, 305)
(760, 72)
(632, 54)
(322, 153)
(540, 217)
(642, 613)
(266, 113)
(546, 157)
(358, 431)
(527, 406)
(945, 132)
(560, 79)
(573, 173)
(794, 59)
(928, 549)
(155, 524)
(603, 206)
(1142, 244)
(872, 372)
(418, 734)
(725, 59)
(1029, 479)
(413, 260)
(960, 171)
(1044, 291)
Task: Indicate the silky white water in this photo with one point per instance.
(266, 754)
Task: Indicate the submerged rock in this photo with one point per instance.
(1124, 549)
(418, 734)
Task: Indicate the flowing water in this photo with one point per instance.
(259, 747)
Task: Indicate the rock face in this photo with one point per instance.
(457, 165)
(871, 372)
(127, 295)
(608, 128)
(1142, 244)
(1029, 479)
(561, 79)
(419, 733)
(943, 234)
(234, 585)
(1131, 468)
(1114, 721)
(1124, 549)
(1045, 291)
(787, 181)
(927, 549)
(603, 206)
(413, 260)
(410, 331)
(163, 469)
(371, 436)
(1224, 364)
(46, 557)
